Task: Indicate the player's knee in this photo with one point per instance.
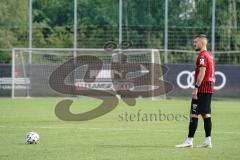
(206, 115)
(193, 116)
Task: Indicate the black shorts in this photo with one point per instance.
(202, 105)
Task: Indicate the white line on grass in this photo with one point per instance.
(111, 129)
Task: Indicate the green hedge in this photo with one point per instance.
(5, 57)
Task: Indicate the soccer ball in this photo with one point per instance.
(32, 138)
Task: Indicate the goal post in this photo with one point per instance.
(32, 68)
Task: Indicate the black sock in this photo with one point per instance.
(192, 127)
(208, 126)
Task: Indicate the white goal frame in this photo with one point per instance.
(30, 50)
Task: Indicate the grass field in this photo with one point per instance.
(115, 136)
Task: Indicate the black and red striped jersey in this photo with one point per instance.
(205, 59)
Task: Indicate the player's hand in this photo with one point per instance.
(194, 93)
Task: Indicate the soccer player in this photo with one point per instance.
(202, 93)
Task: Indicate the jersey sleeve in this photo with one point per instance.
(202, 61)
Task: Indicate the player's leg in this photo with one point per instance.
(192, 125)
(206, 115)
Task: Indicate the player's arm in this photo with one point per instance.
(200, 76)
(199, 80)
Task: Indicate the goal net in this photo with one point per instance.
(36, 71)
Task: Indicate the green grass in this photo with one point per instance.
(110, 137)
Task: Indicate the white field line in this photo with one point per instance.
(112, 129)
